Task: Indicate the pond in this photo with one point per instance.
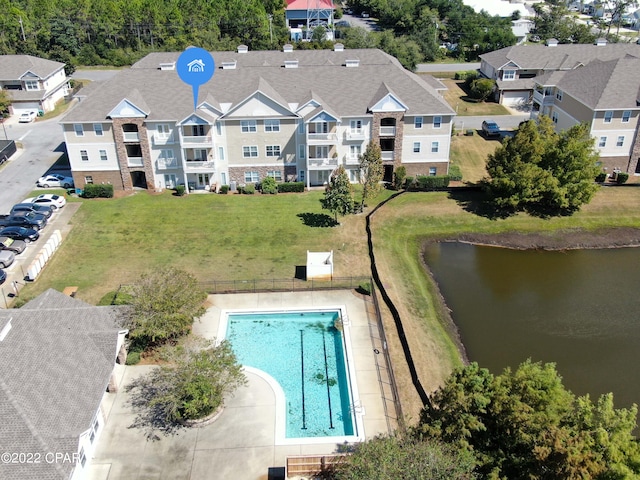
(579, 309)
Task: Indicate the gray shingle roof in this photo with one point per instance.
(348, 91)
(55, 365)
(560, 57)
(12, 67)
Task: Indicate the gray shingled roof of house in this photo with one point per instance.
(348, 91)
(13, 67)
(56, 362)
(560, 57)
(601, 85)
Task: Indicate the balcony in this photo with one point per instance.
(198, 140)
(158, 140)
(200, 165)
(322, 163)
(322, 138)
(387, 131)
(165, 163)
(355, 135)
(131, 136)
(542, 99)
(387, 156)
(135, 161)
(351, 160)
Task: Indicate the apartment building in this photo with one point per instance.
(294, 115)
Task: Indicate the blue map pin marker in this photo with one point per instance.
(195, 67)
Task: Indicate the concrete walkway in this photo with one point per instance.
(241, 443)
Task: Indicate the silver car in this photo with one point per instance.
(15, 246)
(6, 258)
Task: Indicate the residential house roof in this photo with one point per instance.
(56, 361)
(601, 85)
(13, 67)
(560, 57)
(309, 5)
(348, 91)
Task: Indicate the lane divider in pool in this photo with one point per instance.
(304, 421)
(326, 375)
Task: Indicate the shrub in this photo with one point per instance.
(269, 186)
(429, 182)
(455, 174)
(93, 190)
(133, 358)
(180, 190)
(602, 176)
(249, 189)
(399, 176)
(409, 183)
(224, 189)
(287, 187)
(364, 288)
(621, 178)
(464, 75)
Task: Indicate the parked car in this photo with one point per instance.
(27, 117)
(6, 258)
(15, 246)
(55, 180)
(342, 23)
(3, 276)
(31, 207)
(364, 15)
(24, 219)
(27, 235)
(48, 199)
(490, 128)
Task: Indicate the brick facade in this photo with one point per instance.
(415, 169)
(397, 146)
(634, 158)
(121, 151)
(99, 176)
(236, 174)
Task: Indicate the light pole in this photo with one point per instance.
(4, 128)
(270, 29)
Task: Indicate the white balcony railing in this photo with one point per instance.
(199, 164)
(387, 156)
(131, 136)
(158, 140)
(165, 163)
(330, 137)
(355, 135)
(387, 131)
(322, 162)
(199, 140)
(135, 161)
(351, 159)
(542, 99)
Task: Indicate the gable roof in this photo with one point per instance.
(348, 92)
(310, 5)
(15, 66)
(55, 364)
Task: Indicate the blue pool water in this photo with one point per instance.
(300, 350)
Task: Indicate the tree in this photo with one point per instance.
(193, 385)
(5, 103)
(163, 306)
(481, 88)
(401, 456)
(543, 172)
(371, 171)
(526, 424)
(338, 197)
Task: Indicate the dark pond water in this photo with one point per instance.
(579, 309)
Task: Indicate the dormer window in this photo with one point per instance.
(31, 85)
(509, 75)
(352, 63)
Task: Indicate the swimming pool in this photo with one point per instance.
(304, 354)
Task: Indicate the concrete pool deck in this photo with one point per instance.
(240, 444)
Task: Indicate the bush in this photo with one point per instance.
(93, 190)
(409, 183)
(269, 186)
(364, 288)
(621, 178)
(287, 187)
(602, 176)
(455, 174)
(224, 189)
(464, 75)
(399, 176)
(180, 190)
(247, 189)
(133, 358)
(428, 182)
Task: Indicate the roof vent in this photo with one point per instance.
(287, 47)
(243, 49)
(168, 66)
(552, 42)
(354, 62)
(291, 64)
(601, 41)
(338, 47)
(229, 65)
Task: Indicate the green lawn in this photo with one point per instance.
(457, 99)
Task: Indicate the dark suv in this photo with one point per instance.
(490, 128)
(32, 207)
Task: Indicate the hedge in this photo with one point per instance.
(429, 182)
(94, 190)
(288, 187)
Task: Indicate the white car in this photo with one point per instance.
(27, 117)
(47, 199)
(55, 180)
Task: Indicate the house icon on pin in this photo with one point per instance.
(196, 66)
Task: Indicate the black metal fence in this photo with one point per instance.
(7, 148)
(285, 285)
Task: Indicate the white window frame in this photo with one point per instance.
(218, 128)
(608, 116)
(84, 155)
(355, 126)
(435, 147)
(79, 129)
(248, 126)
(167, 154)
(554, 117)
(103, 156)
(418, 122)
(272, 150)
(31, 85)
(433, 171)
(437, 121)
(251, 177)
(163, 130)
(626, 116)
(620, 141)
(355, 151)
(416, 147)
(249, 151)
(88, 179)
(559, 95)
(302, 150)
(301, 176)
(301, 127)
(220, 153)
(97, 129)
(602, 142)
(272, 125)
(275, 174)
(508, 75)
